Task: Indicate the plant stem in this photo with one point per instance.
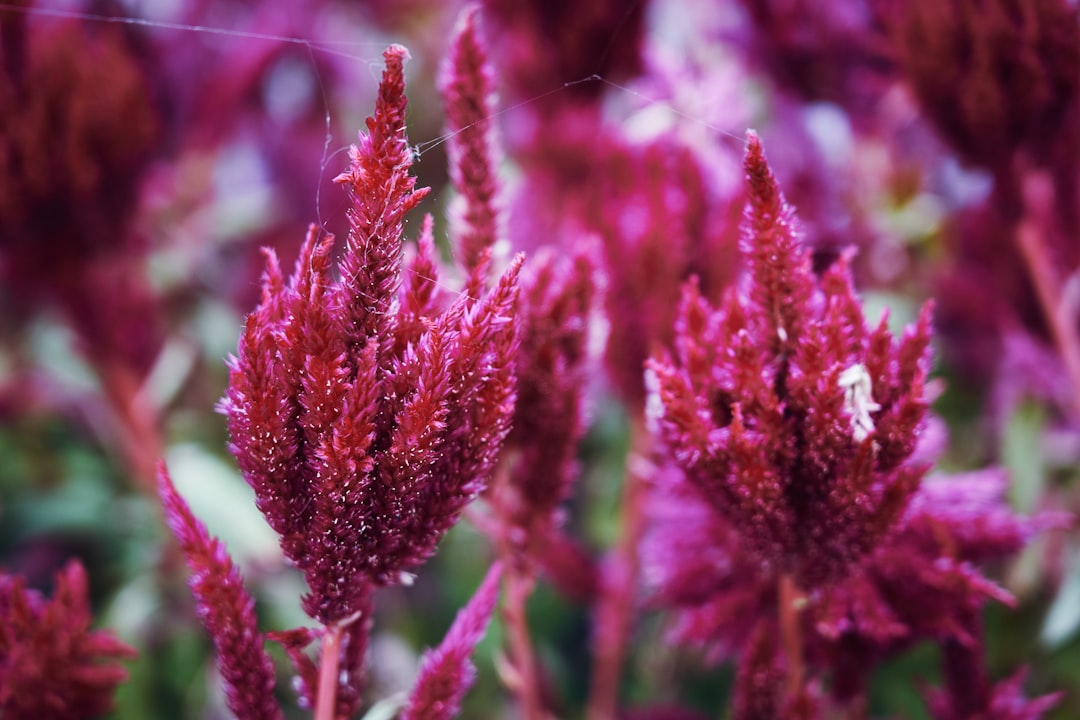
(790, 600)
(1030, 238)
(326, 697)
(614, 609)
(518, 580)
(518, 588)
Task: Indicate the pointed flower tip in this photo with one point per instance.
(396, 56)
(468, 21)
(753, 142)
(754, 162)
(515, 264)
(446, 673)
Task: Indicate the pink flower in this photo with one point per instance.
(365, 417)
(226, 609)
(52, 665)
(791, 416)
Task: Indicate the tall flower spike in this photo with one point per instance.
(468, 87)
(226, 609)
(382, 192)
(52, 666)
(364, 418)
(790, 416)
(549, 419)
(445, 672)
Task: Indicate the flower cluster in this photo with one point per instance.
(793, 418)
(226, 609)
(364, 435)
(754, 461)
(52, 665)
(364, 412)
(994, 77)
(792, 528)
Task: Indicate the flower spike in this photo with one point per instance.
(226, 609)
(363, 414)
(793, 419)
(52, 666)
(445, 672)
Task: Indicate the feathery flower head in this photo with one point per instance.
(467, 84)
(921, 583)
(78, 130)
(549, 419)
(544, 45)
(365, 417)
(52, 665)
(818, 51)
(446, 673)
(793, 418)
(226, 609)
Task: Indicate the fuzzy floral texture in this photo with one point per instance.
(782, 518)
(446, 672)
(226, 609)
(793, 418)
(557, 298)
(468, 88)
(793, 433)
(364, 412)
(364, 436)
(994, 76)
(52, 665)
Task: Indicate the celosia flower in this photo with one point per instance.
(446, 672)
(468, 86)
(792, 430)
(226, 610)
(549, 417)
(52, 665)
(364, 419)
(920, 583)
(791, 416)
(556, 300)
(995, 76)
(542, 45)
(77, 131)
(1004, 701)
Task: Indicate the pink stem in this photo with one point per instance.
(790, 598)
(518, 587)
(518, 581)
(615, 608)
(326, 697)
(1030, 237)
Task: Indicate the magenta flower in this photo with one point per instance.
(542, 45)
(226, 610)
(660, 222)
(364, 413)
(365, 435)
(468, 88)
(446, 672)
(557, 299)
(52, 665)
(993, 77)
(792, 417)
(791, 530)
